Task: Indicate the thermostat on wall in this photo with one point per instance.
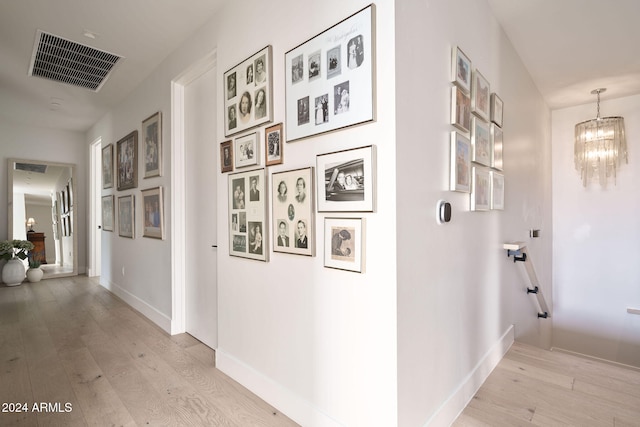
(443, 212)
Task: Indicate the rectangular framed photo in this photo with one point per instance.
(496, 147)
(153, 211)
(346, 180)
(107, 166)
(480, 91)
(246, 150)
(497, 107)
(248, 231)
(248, 93)
(330, 79)
(460, 109)
(127, 161)
(480, 141)
(107, 213)
(126, 216)
(460, 69)
(344, 244)
(152, 137)
(226, 156)
(293, 212)
(460, 163)
(497, 190)
(273, 145)
(480, 189)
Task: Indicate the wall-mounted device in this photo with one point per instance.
(443, 212)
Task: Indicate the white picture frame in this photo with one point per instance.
(344, 244)
(480, 141)
(246, 212)
(460, 163)
(246, 150)
(480, 96)
(480, 189)
(496, 147)
(497, 190)
(293, 211)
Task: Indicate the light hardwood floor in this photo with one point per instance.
(69, 341)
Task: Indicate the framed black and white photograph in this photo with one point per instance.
(226, 156)
(273, 145)
(153, 211)
(107, 166)
(330, 80)
(496, 147)
(460, 69)
(248, 225)
(107, 213)
(127, 161)
(497, 190)
(480, 189)
(248, 93)
(246, 150)
(126, 216)
(480, 91)
(480, 141)
(293, 211)
(152, 137)
(497, 108)
(344, 244)
(460, 163)
(346, 180)
(460, 109)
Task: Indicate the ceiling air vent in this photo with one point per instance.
(69, 62)
(30, 167)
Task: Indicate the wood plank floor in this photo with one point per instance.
(72, 345)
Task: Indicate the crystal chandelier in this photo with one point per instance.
(600, 146)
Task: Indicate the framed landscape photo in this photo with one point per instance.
(153, 211)
(127, 161)
(107, 166)
(246, 150)
(346, 180)
(293, 211)
(496, 147)
(497, 108)
(460, 163)
(460, 69)
(330, 79)
(480, 141)
(248, 93)
(248, 230)
(460, 109)
(152, 137)
(126, 216)
(480, 189)
(497, 190)
(226, 156)
(344, 244)
(107, 213)
(273, 145)
(480, 96)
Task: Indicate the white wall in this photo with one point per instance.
(595, 243)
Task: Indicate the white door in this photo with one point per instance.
(201, 158)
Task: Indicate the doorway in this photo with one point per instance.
(95, 210)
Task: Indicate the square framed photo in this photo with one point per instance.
(127, 161)
(330, 79)
(248, 93)
(246, 150)
(497, 190)
(480, 189)
(248, 231)
(480, 91)
(460, 163)
(107, 166)
(496, 147)
(344, 244)
(480, 141)
(152, 137)
(497, 107)
(153, 211)
(460, 69)
(273, 145)
(346, 180)
(107, 213)
(226, 156)
(460, 109)
(293, 212)
(126, 216)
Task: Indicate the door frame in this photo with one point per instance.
(95, 209)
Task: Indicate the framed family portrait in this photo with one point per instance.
(480, 96)
(152, 137)
(248, 232)
(226, 156)
(248, 93)
(460, 163)
(330, 79)
(460, 69)
(273, 145)
(480, 141)
(246, 150)
(496, 147)
(497, 108)
(293, 211)
(344, 246)
(460, 109)
(480, 189)
(346, 180)
(107, 212)
(497, 190)
(127, 161)
(107, 166)
(126, 216)
(153, 211)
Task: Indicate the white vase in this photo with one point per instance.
(13, 272)
(34, 274)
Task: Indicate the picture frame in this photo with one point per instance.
(152, 145)
(346, 180)
(496, 147)
(497, 109)
(480, 141)
(460, 69)
(153, 213)
(107, 213)
(246, 150)
(460, 163)
(480, 96)
(248, 93)
(460, 109)
(330, 78)
(273, 145)
(497, 190)
(480, 189)
(127, 161)
(107, 166)
(246, 212)
(126, 216)
(226, 156)
(344, 244)
(293, 211)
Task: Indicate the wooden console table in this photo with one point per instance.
(38, 252)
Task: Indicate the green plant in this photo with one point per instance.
(10, 249)
(34, 263)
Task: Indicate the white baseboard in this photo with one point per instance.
(285, 401)
(597, 359)
(461, 397)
